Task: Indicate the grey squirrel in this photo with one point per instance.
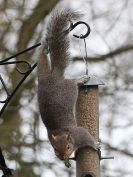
(57, 96)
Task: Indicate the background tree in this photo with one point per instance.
(110, 49)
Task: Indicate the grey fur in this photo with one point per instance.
(57, 96)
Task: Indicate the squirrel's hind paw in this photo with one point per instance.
(82, 80)
(97, 145)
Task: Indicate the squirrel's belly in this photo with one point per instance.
(56, 115)
(57, 103)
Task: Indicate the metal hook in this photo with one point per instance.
(72, 26)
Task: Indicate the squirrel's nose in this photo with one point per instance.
(63, 157)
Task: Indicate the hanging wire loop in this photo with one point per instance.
(72, 26)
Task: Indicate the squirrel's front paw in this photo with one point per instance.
(83, 79)
(67, 163)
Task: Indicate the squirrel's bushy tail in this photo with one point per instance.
(57, 40)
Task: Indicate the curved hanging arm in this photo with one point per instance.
(7, 172)
(72, 26)
(6, 90)
(25, 74)
(9, 96)
(19, 53)
(18, 62)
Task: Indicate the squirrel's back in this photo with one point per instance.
(57, 96)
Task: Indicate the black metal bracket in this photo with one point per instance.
(25, 74)
(7, 172)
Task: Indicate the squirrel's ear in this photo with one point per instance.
(53, 136)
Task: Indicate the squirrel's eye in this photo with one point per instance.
(68, 147)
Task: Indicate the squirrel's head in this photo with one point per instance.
(63, 145)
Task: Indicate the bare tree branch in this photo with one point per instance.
(100, 58)
(123, 151)
(30, 24)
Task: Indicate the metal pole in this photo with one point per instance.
(87, 160)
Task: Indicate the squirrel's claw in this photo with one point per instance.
(67, 163)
